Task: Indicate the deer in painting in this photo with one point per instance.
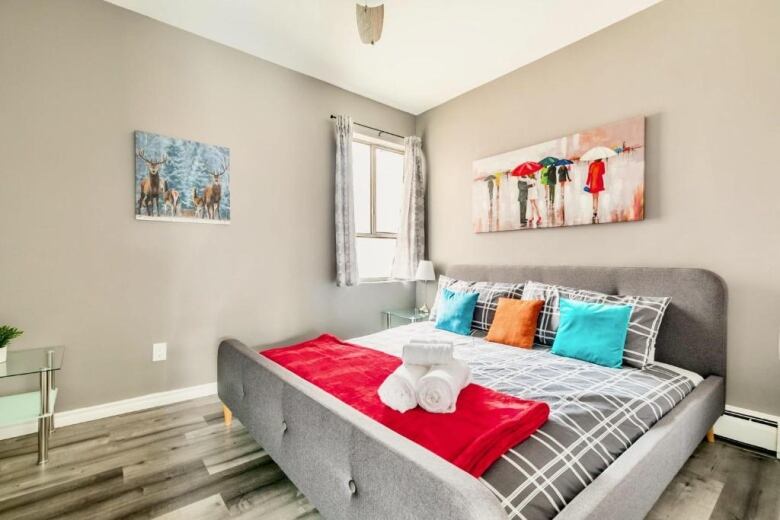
(199, 202)
(212, 195)
(152, 183)
(170, 199)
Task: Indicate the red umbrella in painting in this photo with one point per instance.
(526, 169)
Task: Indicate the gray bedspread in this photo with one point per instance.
(596, 413)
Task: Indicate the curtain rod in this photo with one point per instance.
(374, 129)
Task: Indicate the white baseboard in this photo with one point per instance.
(750, 427)
(101, 411)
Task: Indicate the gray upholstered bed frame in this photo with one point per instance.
(351, 467)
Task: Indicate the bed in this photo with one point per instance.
(352, 467)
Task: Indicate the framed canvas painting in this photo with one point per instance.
(180, 180)
(591, 177)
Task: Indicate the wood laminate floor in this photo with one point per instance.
(181, 462)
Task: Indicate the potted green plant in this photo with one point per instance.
(6, 335)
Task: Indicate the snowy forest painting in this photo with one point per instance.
(181, 180)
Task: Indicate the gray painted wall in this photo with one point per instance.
(77, 269)
(706, 76)
(75, 266)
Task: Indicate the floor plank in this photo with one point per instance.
(722, 481)
(181, 461)
(743, 479)
(688, 496)
(224, 461)
(210, 508)
(767, 504)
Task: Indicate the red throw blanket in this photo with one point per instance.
(485, 425)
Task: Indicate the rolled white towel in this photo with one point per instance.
(438, 390)
(398, 390)
(427, 353)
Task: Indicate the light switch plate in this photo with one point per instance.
(159, 351)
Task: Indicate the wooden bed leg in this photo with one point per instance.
(229, 415)
(711, 435)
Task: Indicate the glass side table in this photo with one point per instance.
(405, 316)
(18, 408)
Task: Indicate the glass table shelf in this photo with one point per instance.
(405, 315)
(29, 406)
(32, 361)
(19, 408)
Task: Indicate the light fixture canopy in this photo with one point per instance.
(369, 22)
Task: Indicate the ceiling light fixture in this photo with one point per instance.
(370, 21)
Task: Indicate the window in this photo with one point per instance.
(378, 169)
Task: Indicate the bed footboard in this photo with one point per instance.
(348, 465)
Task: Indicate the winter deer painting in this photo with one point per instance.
(213, 193)
(180, 180)
(151, 185)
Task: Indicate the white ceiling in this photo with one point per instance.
(430, 51)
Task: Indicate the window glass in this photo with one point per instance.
(375, 257)
(378, 185)
(361, 171)
(389, 186)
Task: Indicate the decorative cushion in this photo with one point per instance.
(456, 310)
(445, 282)
(593, 332)
(515, 322)
(646, 316)
(487, 302)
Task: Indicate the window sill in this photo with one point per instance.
(389, 280)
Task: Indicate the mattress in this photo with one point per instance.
(596, 413)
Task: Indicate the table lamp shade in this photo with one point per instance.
(425, 271)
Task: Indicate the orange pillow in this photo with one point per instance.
(515, 322)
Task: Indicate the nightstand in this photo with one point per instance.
(405, 316)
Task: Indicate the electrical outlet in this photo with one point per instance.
(159, 352)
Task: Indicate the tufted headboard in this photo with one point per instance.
(693, 331)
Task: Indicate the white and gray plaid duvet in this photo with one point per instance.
(596, 413)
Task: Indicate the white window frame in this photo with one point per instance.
(373, 143)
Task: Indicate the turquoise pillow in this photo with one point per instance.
(593, 332)
(456, 310)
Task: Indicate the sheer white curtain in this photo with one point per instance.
(410, 246)
(346, 255)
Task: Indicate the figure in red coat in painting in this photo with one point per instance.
(595, 185)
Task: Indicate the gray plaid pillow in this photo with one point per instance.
(487, 301)
(445, 282)
(646, 315)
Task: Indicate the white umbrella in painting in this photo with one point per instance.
(595, 183)
(598, 152)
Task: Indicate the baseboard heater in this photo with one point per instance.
(750, 428)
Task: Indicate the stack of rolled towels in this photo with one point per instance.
(429, 376)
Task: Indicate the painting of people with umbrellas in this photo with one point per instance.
(591, 177)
